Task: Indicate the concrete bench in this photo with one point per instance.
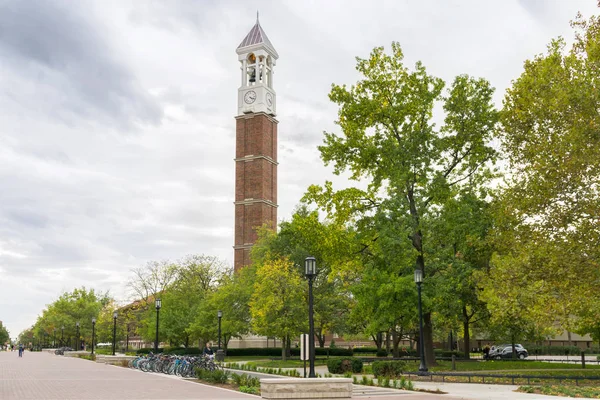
(306, 388)
(113, 360)
(76, 353)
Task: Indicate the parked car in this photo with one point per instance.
(505, 351)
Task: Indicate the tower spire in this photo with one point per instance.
(257, 16)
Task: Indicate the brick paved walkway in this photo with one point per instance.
(45, 376)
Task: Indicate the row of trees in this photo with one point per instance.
(513, 256)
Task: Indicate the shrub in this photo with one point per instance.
(250, 389)
(382, 353)
(389, 369)
(147, 350)
(448, 353)
(365, 349)
(343, 365)
(216, 376)
(554, 350)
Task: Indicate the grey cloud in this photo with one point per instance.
(58, 44)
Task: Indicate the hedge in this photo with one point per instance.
(342, 365)
(554, 350)
(295, 352)
(365, 349)
(388, 369)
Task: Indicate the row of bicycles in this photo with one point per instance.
(184, 366)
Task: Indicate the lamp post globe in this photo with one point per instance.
(310, 270)
(419, 281)
(158, 305)
(114, 341)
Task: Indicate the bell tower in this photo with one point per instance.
(256, 143)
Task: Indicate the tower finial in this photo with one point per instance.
(257, 16)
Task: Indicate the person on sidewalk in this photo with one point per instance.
(20, 349)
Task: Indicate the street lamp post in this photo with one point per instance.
(62, 335)
(54, 337)
(310, 270)
(419, 281)
(157, 304)
(93, 333)
(77, 345)
(114, 331)
(219, 315)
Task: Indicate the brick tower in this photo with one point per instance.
(256, 143)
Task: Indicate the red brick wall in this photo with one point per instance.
(255, 178)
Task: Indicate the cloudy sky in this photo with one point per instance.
(117, 128)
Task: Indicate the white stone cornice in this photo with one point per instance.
(248, 202)
(253, 157)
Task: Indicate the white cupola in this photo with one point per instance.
(257, 57)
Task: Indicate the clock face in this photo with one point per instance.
(269, 99)
(250, 96)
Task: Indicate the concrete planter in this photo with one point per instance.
(306, 388)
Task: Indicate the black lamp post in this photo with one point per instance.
(157, 304)
(62, 335)
(310, 270)
(114, 331)
(93, 333)
(54, 337)
(419, 281)
(220, 315)
(77, 345)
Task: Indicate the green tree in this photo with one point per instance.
(278, 303)
(232, 297)
(4, 335)
(388, 136)
(78, 306)
(193, 279)
(305, 235)
(551, 204)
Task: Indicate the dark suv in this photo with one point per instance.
(505, 351)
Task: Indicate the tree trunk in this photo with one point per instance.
(187, 342)
(396, 342)
(514, 351)
(428, 339)
(283, 349)
(570, 338)
(320, 338)
(288, 346)
(467, 338)
(378, 340)
(387, 342)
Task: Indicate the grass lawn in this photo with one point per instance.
(285, 364)
(245, 358)
(504, 366)
(569, 391)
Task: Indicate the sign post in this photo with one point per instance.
(304, 350)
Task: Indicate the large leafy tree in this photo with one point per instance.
(388, 138)
(551, 205)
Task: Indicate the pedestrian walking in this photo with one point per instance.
(20, 349)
